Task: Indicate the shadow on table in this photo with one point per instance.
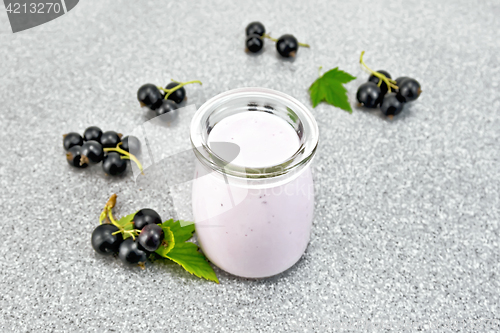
(406, 113)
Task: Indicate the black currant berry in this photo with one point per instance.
(113, 164)
(146, 216)
(369, 95)
(110, 139)
(74, 155)
(254, 43)
(131, 144)
(151, 237)
(287, 46)
(130, 254)
(392, 104)
(72, 139)
(400, 80)
(383, 86)
(409, 89)
(92, 133)
(149, 95)
(92, 152)
(255, 28)
(166, 106)
(103, 240)
(178, 95)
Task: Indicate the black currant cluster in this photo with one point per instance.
(390, 95)
(145, 238)
(163, 100)
(287, 45)
(95, 147)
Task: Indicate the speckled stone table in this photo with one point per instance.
(406, 229)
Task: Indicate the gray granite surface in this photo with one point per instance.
(406, 228)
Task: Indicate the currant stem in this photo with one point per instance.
(126, 155)
(108, 206)
(269, 37)
(319, 70)
(130, 232)
(390, 83)
(108, 213)
(275, 40)
(112, 219)
(102, 217)
(180, 85)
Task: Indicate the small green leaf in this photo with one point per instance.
(126, 223)
(168, 242)
(329, 88)
(182, 230)
(188, 256)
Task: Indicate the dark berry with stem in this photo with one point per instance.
(175, 86)
(74, 156)
(369, 95)
(149, 95)
(110, 139)
(376, 80)
(287, 46)
(177, 95)
(146, 216)
(392, 104)
(166, 106)
(387, 83)
(106, 240)
(91, 152)
(409, 90)
(92, 133)
(254, 43)
(113, 164)
(131, 144)
(255, 28)
(72, 139)
(130, 253)
(116, 166)
(151, 237)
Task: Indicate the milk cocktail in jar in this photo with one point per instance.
(253, 193)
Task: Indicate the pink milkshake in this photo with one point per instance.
(253, 216)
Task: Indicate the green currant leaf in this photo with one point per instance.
(182, 230)
(329, 88)
(126, 223)
(188, 256)
(168, 242)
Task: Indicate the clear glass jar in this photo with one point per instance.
(253, 221)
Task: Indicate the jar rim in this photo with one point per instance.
(297, 161)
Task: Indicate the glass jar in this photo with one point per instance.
(254, 220)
